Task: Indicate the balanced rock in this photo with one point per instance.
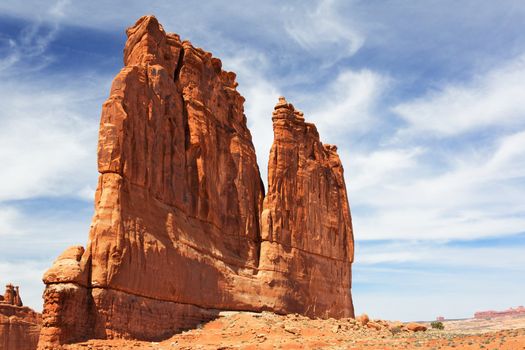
(182, 227)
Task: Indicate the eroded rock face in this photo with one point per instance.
(68, 302)
(179, 230)
(307, 241)
(19, 325)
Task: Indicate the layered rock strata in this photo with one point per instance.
(19, 325)
(182, 228)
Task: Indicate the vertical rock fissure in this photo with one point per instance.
(176, 74)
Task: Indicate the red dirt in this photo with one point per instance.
(270, 331)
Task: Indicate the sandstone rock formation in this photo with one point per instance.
(11, 296)
(306, 229)
(19, 325)
(520, 310)
(182, 227)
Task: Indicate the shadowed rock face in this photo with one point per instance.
(180, 230)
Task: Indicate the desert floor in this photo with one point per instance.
(269, 331)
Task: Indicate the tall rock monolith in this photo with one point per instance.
(182, 228)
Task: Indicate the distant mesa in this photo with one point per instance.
(183, 227)
(520, 310)
(19, 325)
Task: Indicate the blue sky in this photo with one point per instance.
(425, 100)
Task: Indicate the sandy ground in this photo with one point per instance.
(486, 325)
(269, 331)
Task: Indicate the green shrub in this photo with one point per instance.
(437, 325)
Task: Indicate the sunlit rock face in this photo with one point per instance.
(19, 325)
(306, 230)
(182, 227)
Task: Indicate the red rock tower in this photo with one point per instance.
(180, 230)
(306, 228)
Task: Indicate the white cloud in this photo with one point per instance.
(494, 98)
(58, 10)
(43, 230)
(348, 105)
(47, 148)
(471, 197)
(28, 51)
(508, 161)
(48, 134)
(324, 33)
(47, 145)
(9, 217)
(369, 170)
(315, 26)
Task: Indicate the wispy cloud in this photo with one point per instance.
(348, 106)
(48, 133)
(323, 32)
(9, 218)
(491, 99)
(471, 197)
(371, 170)
(28, 51)
(47, 144)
